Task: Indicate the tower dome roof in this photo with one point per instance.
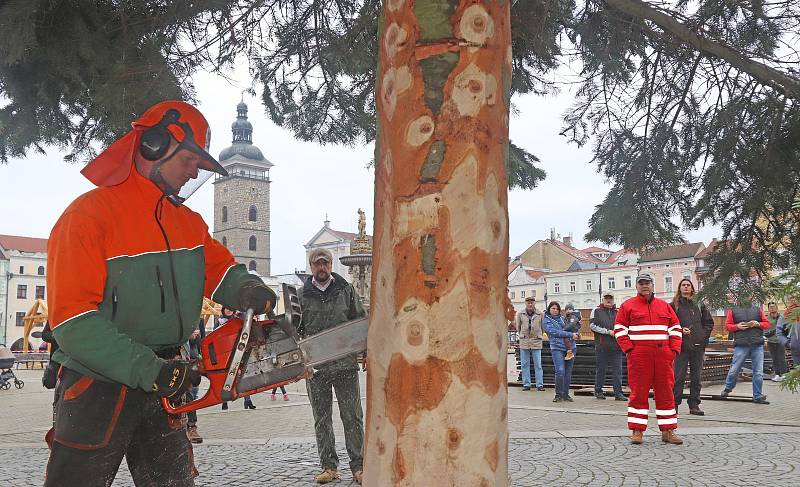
(242, 143)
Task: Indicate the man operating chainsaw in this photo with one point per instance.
(327, 300)
(128, 268)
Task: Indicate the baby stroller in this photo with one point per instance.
(6, 374)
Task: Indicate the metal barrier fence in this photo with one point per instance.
(715, 367)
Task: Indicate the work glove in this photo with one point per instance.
(175, 378)
(258, 296)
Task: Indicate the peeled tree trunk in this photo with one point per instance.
(437, 395)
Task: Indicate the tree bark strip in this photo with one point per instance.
(436, 390)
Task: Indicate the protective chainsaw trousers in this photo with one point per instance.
(650, 366)
(97, 423)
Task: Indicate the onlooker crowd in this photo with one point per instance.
(663, 342)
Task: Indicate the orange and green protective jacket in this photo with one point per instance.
(110, 298)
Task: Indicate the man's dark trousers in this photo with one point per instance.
(608, 356)
(348, 395)
(778, 353)
(693, 358)
(97, 423)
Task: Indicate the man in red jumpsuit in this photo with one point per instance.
(649, 333)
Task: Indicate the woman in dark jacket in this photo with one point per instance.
(553, 324)
(697, 324)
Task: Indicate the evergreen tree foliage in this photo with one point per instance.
(691, 106)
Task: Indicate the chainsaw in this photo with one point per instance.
(247, 356)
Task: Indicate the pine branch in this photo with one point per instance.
(785, 83)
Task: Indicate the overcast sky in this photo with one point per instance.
(310, 180)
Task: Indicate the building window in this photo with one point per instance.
(253, 245)
(225, 241)
(522, 294)
(588, 285)
(252, 265)
(687, 275)
(252, 214)
(39, 292)
(572, 286)
(556, 288)
(224, 214)
(22, 269)
(40, 270)
(612, 283)
(22, 291)
(628, 282)
(513, 295)
(668, 283)
(533, 293)
(20, 316)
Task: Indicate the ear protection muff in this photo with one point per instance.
(155, 141)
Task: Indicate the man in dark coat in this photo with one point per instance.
(607, 351)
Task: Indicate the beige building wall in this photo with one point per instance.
(544, 255)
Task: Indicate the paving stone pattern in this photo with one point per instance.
(566, 444)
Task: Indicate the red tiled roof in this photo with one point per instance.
(681, 251)
(589, 250)
(23, 244)
(707, 251)
(578, 254)
(512, 266)
(534, 274)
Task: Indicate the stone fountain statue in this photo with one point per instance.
(359, 262)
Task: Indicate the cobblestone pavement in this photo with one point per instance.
(574, 444)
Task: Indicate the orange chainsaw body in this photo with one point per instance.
(271, 359)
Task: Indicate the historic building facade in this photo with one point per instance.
(339, 244)
(671, 264)
(241, 200)
(23, 276)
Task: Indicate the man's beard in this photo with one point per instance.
(322, 276)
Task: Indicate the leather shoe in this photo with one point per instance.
(526, 388)
(637, 437)
(696, 411)
(669, 436)
(621, 397)
(761, 400)
(599, 395)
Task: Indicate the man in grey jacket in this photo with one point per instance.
(529, 327)
(607, 350)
